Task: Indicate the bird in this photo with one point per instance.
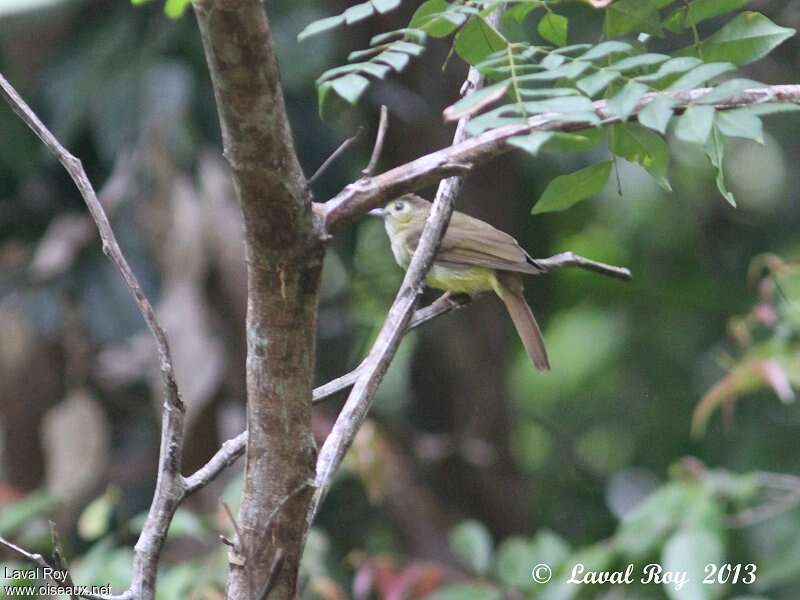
(474, 257)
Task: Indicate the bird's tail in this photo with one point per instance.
(509, 288)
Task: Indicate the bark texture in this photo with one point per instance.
(284, 261)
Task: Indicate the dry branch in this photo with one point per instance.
(336, 154)
(368, 193)
(383, 125)
(169, 483)
(395, 326)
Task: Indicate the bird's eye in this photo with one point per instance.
(398, 206)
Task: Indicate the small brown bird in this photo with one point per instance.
(474, 257)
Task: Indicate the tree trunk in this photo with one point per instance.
(284, 261)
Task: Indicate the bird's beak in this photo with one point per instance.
(377, 212)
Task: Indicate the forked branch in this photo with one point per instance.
(171, 487)
(368, 193)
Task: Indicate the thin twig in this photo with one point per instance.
(33, 557)
(234, 524)
(40, 561)
(394, 328)
(228, 454)
(59, 562)
(789, 485)
(383, 125)
(336, 154)
(443, 304)
(570, 259)
(169, 483)
(368, 193)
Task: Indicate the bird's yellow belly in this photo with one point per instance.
(466, 279)
(462, 280)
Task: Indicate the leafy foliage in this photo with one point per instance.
(528, 79)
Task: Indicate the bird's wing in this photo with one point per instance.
(480, 244)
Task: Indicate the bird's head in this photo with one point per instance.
(404, 210)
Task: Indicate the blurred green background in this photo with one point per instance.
(473, 467)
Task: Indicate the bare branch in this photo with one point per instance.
(443, 304)
(570, 259)
(169, 483)
(368, 193)
(228, 454)
(40, 561)
(395, 326)
(336, 154)
(383, 125)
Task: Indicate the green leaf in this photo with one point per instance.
(566, 104)
(174, 9)
(642, 60)
(671, 67)
(699, 11)
(715, 150)
(96, 517)
(407, 47)
(566, 190)
(748, 37)
(562, 142)
(548, 92)
(596, 82)
(625, 101)
(323, 90)
(646, 527)
(636, 144)
(689, 551)
(694, 126)
(740, 123)
(553, 28)
(412, 34)
(518, 12)
(773, 108)
(370, 68)
(396, 60)
(657, 114)
(605, 49)
(532, 142)
(699, 75)
(727, 90)
(625, 16)
(490, 120)
(320, 26)
(359, 12)
(466, 591)
(472, 543)
(350, 87)
(474, 102)
(477, 40)
(435, 18)
(384, 6)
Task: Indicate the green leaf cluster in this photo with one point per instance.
(352, 15)
(548, 76)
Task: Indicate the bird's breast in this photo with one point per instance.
(461, 279)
